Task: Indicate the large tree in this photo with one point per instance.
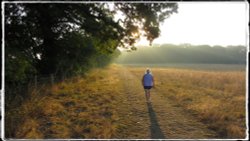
(57, 38)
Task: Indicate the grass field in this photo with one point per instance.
(75, 108)
(215, 97)
(95, 105)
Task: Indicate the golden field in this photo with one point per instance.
(217, 98)
(90, 106)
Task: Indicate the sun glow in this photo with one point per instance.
(213, 23)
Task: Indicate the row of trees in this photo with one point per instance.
(185, 53)
(45, 38)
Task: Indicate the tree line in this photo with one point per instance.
(185, 53)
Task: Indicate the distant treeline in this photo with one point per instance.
(185, 53)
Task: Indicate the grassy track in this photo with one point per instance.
(160, 119)
(110, 103)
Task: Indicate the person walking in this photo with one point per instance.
(148, 83)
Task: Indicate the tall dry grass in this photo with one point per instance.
(87, 106)
(217, 98)
(80, 107)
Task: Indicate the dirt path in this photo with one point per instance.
(160, 119)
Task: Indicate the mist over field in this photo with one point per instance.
(186, 53)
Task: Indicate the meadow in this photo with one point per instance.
(79, 107)
(95, 105)
(217, 97)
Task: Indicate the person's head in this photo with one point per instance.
(148, 70)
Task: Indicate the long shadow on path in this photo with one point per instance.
(155, 129)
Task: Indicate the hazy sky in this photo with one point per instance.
(212, 23)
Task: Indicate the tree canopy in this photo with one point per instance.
(45, 38)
